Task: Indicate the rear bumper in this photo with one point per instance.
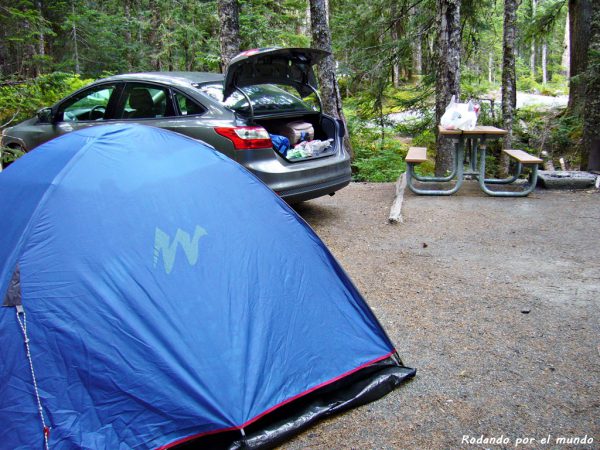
(317, 190)
(299, 180)
(296, 182)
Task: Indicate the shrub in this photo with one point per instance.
(375, 159)
(539, 128)
(425, 139)
(9, 155)
(527, 84)
(21, 101)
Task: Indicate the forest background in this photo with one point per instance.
(388, 55)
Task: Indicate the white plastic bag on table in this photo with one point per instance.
(459, 116)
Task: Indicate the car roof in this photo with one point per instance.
(184, 79)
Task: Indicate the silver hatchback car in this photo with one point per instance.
(237, 113)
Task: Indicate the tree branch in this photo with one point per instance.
(11, 120)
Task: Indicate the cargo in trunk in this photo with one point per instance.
(297, 128)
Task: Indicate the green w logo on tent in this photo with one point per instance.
(168, 248)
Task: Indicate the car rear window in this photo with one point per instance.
(187, 106)
(265, 98)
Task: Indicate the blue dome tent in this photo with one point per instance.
(156, 294)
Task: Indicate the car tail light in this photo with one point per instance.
(246, 138)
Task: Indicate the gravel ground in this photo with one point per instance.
(496, 303)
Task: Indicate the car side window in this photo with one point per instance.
(187, 106)
(91, 104)
(146, 102)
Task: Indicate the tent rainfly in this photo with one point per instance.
(156, 295)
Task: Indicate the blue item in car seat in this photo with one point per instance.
(280, 143)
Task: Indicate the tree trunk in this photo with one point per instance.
(544, 63)
(396, 74)
(418, 56)
(394, 37)
(229, 36)
(171, 64)
(491, 68)
(566, 56)
(579, 34)
(303, 27)
(321, 39)
(42, 38)
(590, 155)
(429, 61)
(447, 83)
(154, 38)
(509, 79)
(75, 40)
(128, 52)
(27, 68)
(532, 60)
(140, 19)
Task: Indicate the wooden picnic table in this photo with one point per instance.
(483, 130)
(476, 140)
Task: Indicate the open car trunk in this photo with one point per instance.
(290, 66)
(250, 88)
(325, 128)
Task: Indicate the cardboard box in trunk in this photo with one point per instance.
(296, 131)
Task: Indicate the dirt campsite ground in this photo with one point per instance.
(495, 301)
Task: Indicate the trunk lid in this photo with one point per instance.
(288, 66)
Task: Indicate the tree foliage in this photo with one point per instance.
(373, 41)
(385, 50)
(21, 101)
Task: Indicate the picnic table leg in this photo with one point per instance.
(507, 180)
(459, 160)
(426, 179)
(450, 177)
(480, 142)
(473, 161)
(523, 193)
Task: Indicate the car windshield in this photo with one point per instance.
(265, 98)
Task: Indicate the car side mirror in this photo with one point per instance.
(44, 115)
